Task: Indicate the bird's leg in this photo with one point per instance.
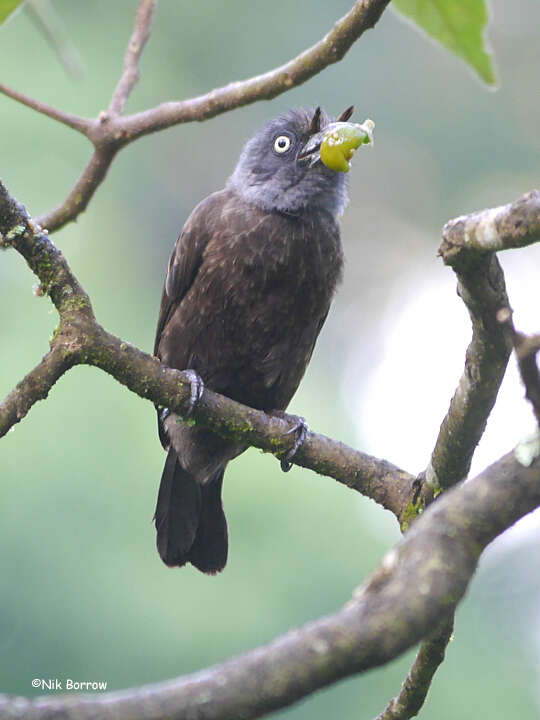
(196, 390)
(300, 430)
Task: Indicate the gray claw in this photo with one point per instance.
(300, 428)
(196, 390)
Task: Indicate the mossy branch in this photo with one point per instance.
(468, 247)
(81, 340)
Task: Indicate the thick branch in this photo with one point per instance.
(418, 582)
(130, 74)
(143, 374)
(87, 342)
(44, 259)
(482, 289)
(467, 246)
(509, 226)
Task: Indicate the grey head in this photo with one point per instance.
(274, 174)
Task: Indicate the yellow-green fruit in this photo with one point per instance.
(341, 141)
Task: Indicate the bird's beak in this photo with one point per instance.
(335, 145)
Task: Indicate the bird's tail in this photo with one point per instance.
(190, 522)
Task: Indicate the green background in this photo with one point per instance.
(82, 592)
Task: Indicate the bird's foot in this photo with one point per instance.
(196, 390)
(300, 430)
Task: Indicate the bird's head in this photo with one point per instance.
(298, 162)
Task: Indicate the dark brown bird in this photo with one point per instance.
(247, 290)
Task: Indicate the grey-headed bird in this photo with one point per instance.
(248, 288)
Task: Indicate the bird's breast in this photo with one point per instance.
(261, 295)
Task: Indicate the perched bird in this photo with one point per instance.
(247, 290)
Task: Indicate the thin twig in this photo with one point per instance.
(527, 347)
(130, 74)
(50, 23)
(33, 387)
(109, 132)
(83, 191)
(80, 124)
(331, 49)
(418, 681)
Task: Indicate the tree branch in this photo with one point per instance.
(110, 131)
(145, 376)
(514, 225)
(468, 247)
(331, 49)
(482, 288)
(130, 74)
(82, 340)
(527, 347)
(83, 191)
(421, 580)
(19, 231)
(73, 121)
(33, 387)
(418, 681)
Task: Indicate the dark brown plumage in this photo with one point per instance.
(247, 291)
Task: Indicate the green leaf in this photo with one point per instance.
(458, 25)
(7, 7)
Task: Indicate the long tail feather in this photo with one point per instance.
(189, 518)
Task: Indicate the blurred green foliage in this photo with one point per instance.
(458, 25)
(7, 7)
(82, 590)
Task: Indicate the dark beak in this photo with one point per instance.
(311, 150)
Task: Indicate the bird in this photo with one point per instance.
(247, 289)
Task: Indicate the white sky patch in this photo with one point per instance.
(398, 408)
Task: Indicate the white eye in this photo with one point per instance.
(282, 144)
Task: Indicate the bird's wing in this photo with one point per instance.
(185, 260)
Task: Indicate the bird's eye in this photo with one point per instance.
(282, 144)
